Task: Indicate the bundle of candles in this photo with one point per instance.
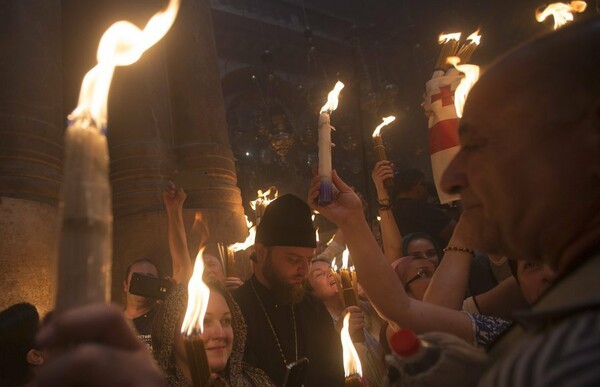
(262, 201)
(451, 47)
(325, 144)
(379, 148)
(349, 290)
(193, 325)
(85, 245)
(352, 366)
(227, 253)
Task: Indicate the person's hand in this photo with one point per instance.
(92, 345)
(383, 170)
(356, 322)
(232, 283)
(173, 197)
(346, 205)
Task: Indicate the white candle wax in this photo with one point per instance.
(325, 146)
(85, 246)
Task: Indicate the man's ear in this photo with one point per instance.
(35, 357)
(261, 253)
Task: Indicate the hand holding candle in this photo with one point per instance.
(325, 144)
(379, 148)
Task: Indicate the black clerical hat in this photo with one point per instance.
(287, 222)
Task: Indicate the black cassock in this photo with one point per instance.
(317, 338)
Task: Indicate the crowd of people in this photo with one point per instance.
(511, 284)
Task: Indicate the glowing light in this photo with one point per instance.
(198, 295)
(561, 12)
(445, 38)
(332, 98)
(239, 246)
(352, 364)
(345, 256)
(386, 121)
(264, 198)
(462, 91)
(475, 38)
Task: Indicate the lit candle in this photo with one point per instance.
(239, 246)
(349, 291)
(259, 205)
(462, 90)
(449, 44)
(379, 148)
(467, 50)
(85, 246)
(352, 366)
(561, 12)
(193, 325)
(326, 190)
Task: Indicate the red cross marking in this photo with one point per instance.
(446, 95)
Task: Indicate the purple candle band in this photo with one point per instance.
(325, 193)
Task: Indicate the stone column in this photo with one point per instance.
(31, 133)
(204, 157)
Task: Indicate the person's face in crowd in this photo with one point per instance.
(285, 268)
(218, 332)
(322, 280)
(516, 186)
(145, 268)
(423, 248)
(416, 276)
(213, 271)
(534, 279)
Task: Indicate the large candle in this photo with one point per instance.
(85, 245)
(379, 148)
(326, 190)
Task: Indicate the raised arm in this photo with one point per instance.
(449, 283)
(380, 282)
(174, 198)
(390, 234)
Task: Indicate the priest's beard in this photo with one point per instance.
(285, 292)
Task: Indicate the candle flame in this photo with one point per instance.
(122, 44)
(378, 218)
(561, 12)
(316, 228)
(352, 364)
(198, 295)
(334, 265)
(474, 38)
(332, 98)
(345, 256)
(462, 91)
(445, 38)
(263, 198)
(239, 246)
(386, 121)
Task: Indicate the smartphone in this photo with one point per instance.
(149, 286)
(295, 373)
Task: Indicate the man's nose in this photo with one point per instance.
(454, 178)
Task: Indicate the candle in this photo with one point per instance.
(326, 190)
(229, 253)
(379, 148)
(449, 44)
(462, 90)
(259, 205)
(352, 366)
(349, 292)
(467, 50)
(227, 256)
(561, 12)
(193, 325)
(85, 245)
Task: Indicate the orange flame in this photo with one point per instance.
(332, 98)
(462, 91)
(386, 121)
(239, 246)
(352, 364)
(445, 38)
(198, 295)
(561, 12)
(263, 198)
(474, 38)
(316, 228)
(122, 44)
(334, 265)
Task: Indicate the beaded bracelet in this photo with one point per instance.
(458, 248)
(384, 208)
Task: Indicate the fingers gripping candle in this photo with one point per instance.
(326, 190)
